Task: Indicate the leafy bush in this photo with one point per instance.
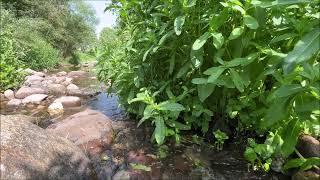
(10, 67)
(191, 64)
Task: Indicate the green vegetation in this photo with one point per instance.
(40, 34)
(249, 65)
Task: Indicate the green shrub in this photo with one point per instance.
(192, 64)
(10, 67)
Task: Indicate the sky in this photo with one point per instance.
(106, 19)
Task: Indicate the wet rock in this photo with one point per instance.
(60, 79)
(29, 152)
(67, 81)
(90, 130)
(14, 103)
(69, 101)
(61, 73)
(56, 108)
(33, 78)
(9, 94)
(34, 98)
(308, 146)
(73, 90)
(306, 175)
(27, 91)
(74, 74)
(57, 89)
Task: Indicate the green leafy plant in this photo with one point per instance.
(252, 63)
(220, 139)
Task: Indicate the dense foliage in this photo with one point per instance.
(206, 65)
(40, 34)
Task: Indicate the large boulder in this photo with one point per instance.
(27, 91)
(90, 130)
(33, 79)
(9, 94)
(308, 146)
(67, 81)
(73, 90)
(30, 152)
(14, 102)
(34, 98)
(69, 101)
(57, 89)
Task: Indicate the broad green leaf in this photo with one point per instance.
(250, 155)
(160, 131)
(148, 112)
(183, 70)
(287, 90)
(172, 64)
(303, 50)
(250, 22)
(304, 164)
(178, 23)
(218, 20)
(236, 33)
(267, 4)
(205, 90)
(290, 137)
(276, 112)
(283, 37)
(178, 125)
(214, 73)
(217, 39)
(164, 37)
(241, 61)
(199, 81)
(189, 3)
(170, 106)
(237, 80)
(200, 41)
(196, 57)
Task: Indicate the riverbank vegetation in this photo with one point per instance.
(40, 34)
(240, 67)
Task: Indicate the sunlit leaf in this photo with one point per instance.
(250, 22)
(178, 23)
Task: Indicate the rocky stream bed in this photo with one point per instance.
(62, 125)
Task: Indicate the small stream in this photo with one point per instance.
(171, 161)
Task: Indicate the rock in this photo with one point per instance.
(308, 146)
(9, 94)
(77, 74)
(57, 89)
(55, 108)
(306, 175)
(33, 78)
(62, 73)
(34, 98)
(60, 79)
(2, 97)
(67, 81)
(30, 152)
(14, 102)
(73, 90)
(90, 130)
(27, 91)
(69, 101)
(18, 117)
(46, 83)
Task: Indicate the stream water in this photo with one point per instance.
(171, 161)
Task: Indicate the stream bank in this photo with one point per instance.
(117, 149)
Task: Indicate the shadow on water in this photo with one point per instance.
(108, 104)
